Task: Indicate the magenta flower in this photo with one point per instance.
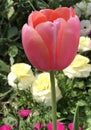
(60, 126)
(5, 127)
(71, 125)
(38, 126)
(24, 113)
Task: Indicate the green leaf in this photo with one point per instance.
(13, 31)
(82, 103)
(10, 120)
(3, 66)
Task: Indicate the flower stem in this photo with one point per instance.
(53, 95)
(76, 119)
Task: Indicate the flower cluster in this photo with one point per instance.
(38, 126)
(83, 8)
(60, 126)
(40, 84)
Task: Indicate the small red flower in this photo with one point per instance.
(71, 125)
(60, 126)
(38, 126)
(5, 127)
(24, 113)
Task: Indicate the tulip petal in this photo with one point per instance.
(65, 12)
(46, 31)
(35, 48)
(47, 13)
(50, 14)
(49, 32)
(35, 18)
(69, 43)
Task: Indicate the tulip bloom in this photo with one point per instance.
(50, 39)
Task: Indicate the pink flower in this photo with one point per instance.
(24, 113)
(50, 39)
(38, 126)
(71, 125)
(5, 127)
(60, 126)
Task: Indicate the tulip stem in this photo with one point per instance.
(53, 95)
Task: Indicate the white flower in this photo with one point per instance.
(78, 12)
(80, 8)
(88, 11)
(78, 68)
(84, 43)
(83, 8)
(85, 27)
(41, 89)
(23, 73)
(82, 5)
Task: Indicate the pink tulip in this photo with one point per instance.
(71, 125)
(50, 39)
(60, 126)
(5, 127)
(24, 113)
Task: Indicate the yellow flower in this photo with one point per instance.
(84, 43)
(23, 73)
(78, 68)
(41, 89)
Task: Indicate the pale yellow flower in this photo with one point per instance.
(84, 43)
(80, 67)
(41, 89)
(23, 73)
